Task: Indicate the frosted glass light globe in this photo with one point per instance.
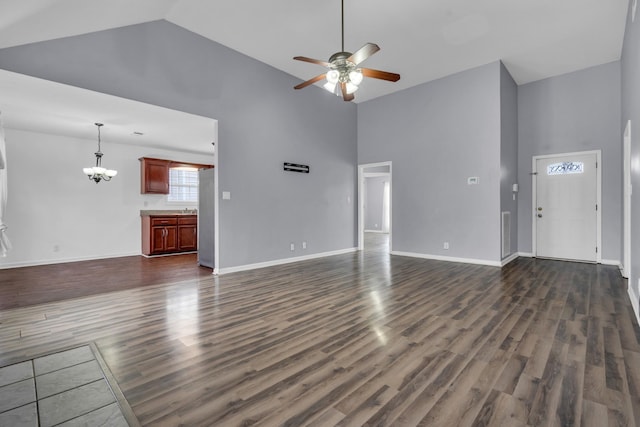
(333, 76)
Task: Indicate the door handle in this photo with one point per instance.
(539, 215)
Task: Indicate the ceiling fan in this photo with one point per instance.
(344, 76)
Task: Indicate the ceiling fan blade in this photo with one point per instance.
(313, 61)
(363, 53)
(310, 81)
(346, 96)
(382, 75)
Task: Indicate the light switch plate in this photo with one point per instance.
(226, 195)
(472, 180)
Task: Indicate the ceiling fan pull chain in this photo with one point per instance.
(342, 14)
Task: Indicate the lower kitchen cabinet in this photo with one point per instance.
(169, 234)
(187, 233)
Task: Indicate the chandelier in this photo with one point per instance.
(97, 172)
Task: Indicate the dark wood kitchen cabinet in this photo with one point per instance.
(154, 176)
(154, 173)
(187, 233)
(169, 234)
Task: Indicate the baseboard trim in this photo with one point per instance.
(508, 259)
(449, 259)
(64, 261)
(615, 262)
(526, 254)
(282, 261)
(634, 302)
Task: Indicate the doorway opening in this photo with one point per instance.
(567, 206)
(374, 206)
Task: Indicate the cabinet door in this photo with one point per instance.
(154, 176)
(187, 237)
(157, 240)
(171, 239)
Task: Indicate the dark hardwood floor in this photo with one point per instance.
(358, 339)
(20, 287)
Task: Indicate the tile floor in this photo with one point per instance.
(61, 389)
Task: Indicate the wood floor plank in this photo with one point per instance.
(363, 338)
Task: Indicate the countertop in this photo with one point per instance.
(169, 212)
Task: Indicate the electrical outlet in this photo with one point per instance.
(56, 248)
(293, 247)
(446, 245)
(304, 245)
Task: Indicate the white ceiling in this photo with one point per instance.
(38, 105)
(420, 39)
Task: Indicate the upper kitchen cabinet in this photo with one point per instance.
(154, 176)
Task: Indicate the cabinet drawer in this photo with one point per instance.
(155, 221)
(187, 220)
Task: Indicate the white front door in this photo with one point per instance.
(566, 207)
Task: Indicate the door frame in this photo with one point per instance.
(534, 193)
(626, 194)
(361, 197)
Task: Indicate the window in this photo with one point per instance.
(565, 168)
(183, 185)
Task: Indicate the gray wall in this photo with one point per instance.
(579, 111)
(631, 111)
(374, 192)
(509, 150)
(263, 122)
(437, 134)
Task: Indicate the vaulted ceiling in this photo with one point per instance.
(420, 39)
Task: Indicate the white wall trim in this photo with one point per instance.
(615, 262)
(376, 231)
(64, 261)
(508, 259)
(526, 254)
(449, 259)
(282, 261)
(634, 302)
(626, 201)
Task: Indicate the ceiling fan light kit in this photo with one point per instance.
(344, 76)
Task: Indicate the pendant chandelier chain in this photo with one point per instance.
(99, 126)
